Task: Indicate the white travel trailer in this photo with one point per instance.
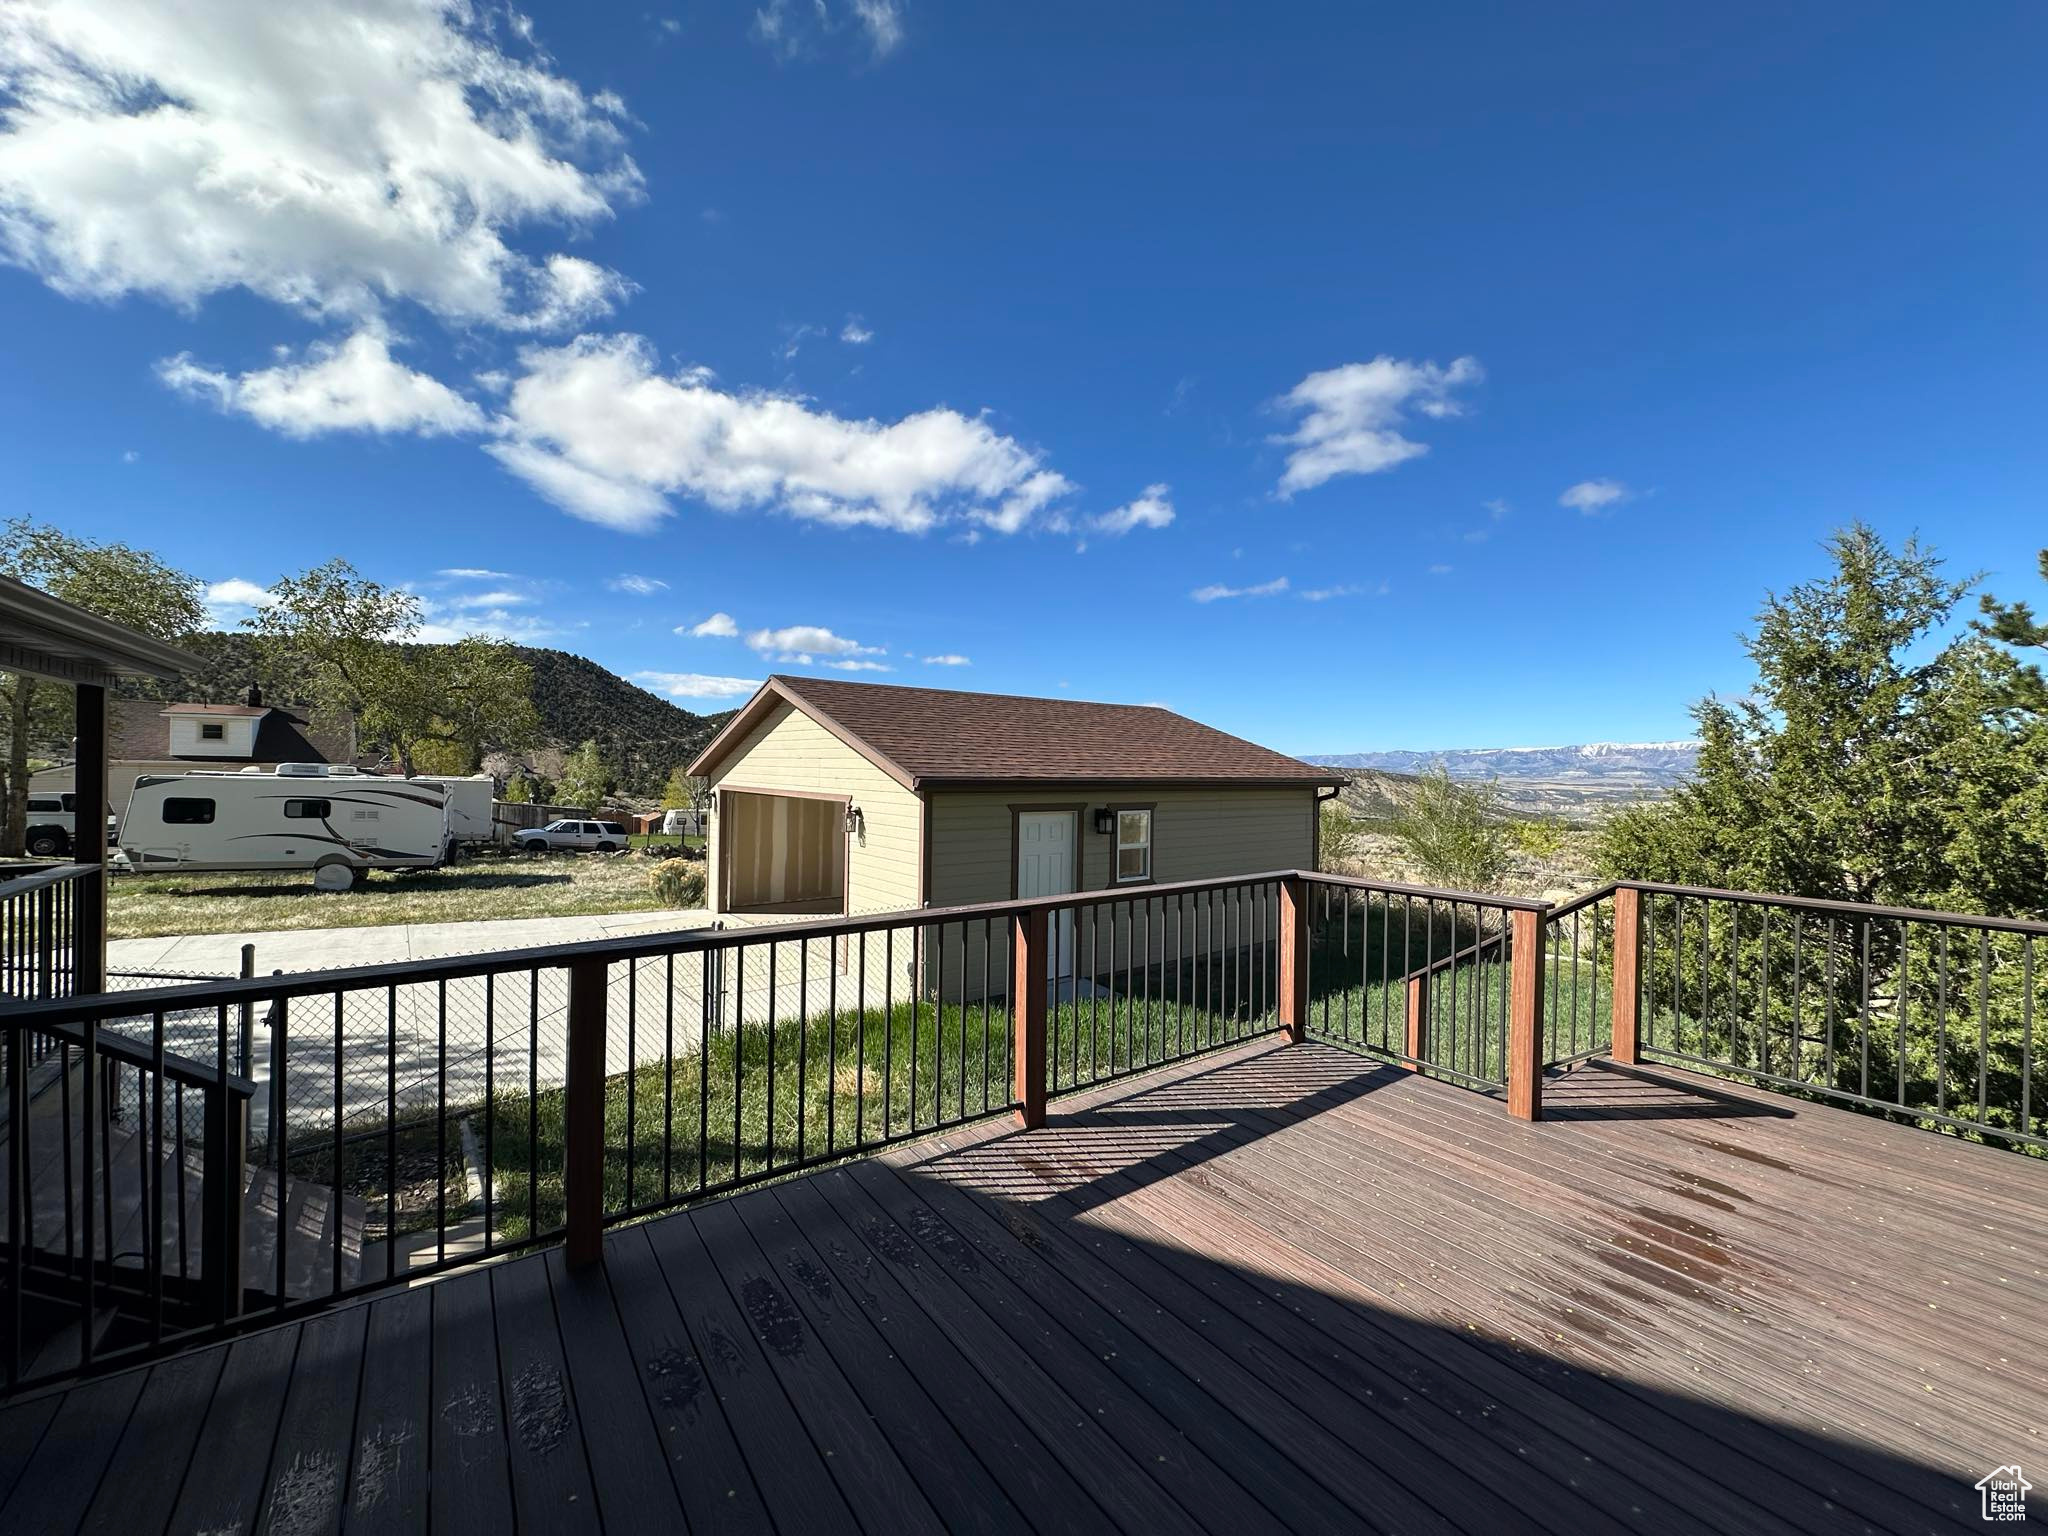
(332, 824)
(472, 806)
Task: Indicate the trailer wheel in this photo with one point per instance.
(333, 874)
(47, 842)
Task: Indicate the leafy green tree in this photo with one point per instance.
(519, 790)
(2014, 624)
(453, 702)
(676, 794)
(1866, 763)
(1451, 830)
(1339, 834)
(117, 581)
(1542, 838)
(586, 779)
(1883, 755)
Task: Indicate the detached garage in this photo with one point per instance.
(854, 798)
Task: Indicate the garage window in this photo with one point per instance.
(1133, 845)
(308, 810)
(212, 730)
(185, 812)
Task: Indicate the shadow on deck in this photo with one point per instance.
(1280, 1289)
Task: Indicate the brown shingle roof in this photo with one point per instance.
(137, 732)
(940, 735)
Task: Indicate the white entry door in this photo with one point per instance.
(1045, 867)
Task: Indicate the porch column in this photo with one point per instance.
(89, 840)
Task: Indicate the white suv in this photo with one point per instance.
(52, 820)
(573, 836)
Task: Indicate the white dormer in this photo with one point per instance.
(214, 730)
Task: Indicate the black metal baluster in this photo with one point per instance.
(391, 1132)
(334, 1190)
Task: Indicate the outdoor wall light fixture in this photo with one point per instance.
(1105, 821)
(855, 822)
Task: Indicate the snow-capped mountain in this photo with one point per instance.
(1648, 765)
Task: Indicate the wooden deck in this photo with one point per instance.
(1282, 1289)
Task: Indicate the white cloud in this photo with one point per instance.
(1152, 509)
(794, 337)
(596, 428)
(231, 601)
(1497, 508)
(698, 685)
(861, 666)
(1352, 417)
(355, 386)
(1218, 591)
(854, 334)
(334, 156)
(473, 573)
(638, 586)
(1592, 497)
(802, 642)
(1325, 594)
(949, 659)
(719, 626)
(1439, 570)
(490, 600)
(883, 20)
(129, 456)
(790, 28)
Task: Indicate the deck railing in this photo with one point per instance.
(390, 1122)
(42, 912)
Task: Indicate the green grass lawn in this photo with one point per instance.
(561, 885)
(838, 1084)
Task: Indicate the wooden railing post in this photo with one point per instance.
(1293, 970)
(583, 1113)
(1028, 962)
(1525, 1017)
(1417, 1047)
(1627, 979)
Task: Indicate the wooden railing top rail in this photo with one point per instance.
(185, 1070)
(1856, 909)
(232, 991)
(55, 874)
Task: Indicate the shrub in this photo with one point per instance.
(677, 883)
(1451, 831)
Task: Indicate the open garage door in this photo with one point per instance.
(782, 853)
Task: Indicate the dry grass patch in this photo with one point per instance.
(148, 906)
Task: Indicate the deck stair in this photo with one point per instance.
(126, 1164)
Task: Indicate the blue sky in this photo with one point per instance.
(1527, 346)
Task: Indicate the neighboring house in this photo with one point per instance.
(147, 736)
(840, 797)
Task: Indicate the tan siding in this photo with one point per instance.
(790, 751)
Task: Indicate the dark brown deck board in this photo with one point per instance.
(310, 1477)
(706, 1468)
(551, 1489)
(223, 1487)
(394, 1418)
(140, 1485)
(82, 1437)
(956, 1482)
(1265, 1289)
(471, 1484)
(618, 1430)
(789, 1471)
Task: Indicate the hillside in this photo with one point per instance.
(578, 700)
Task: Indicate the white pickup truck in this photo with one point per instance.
(52, 823)
(572, 837)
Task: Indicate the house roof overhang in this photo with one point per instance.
(772, 692)
(757, 708)
(45, 637)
